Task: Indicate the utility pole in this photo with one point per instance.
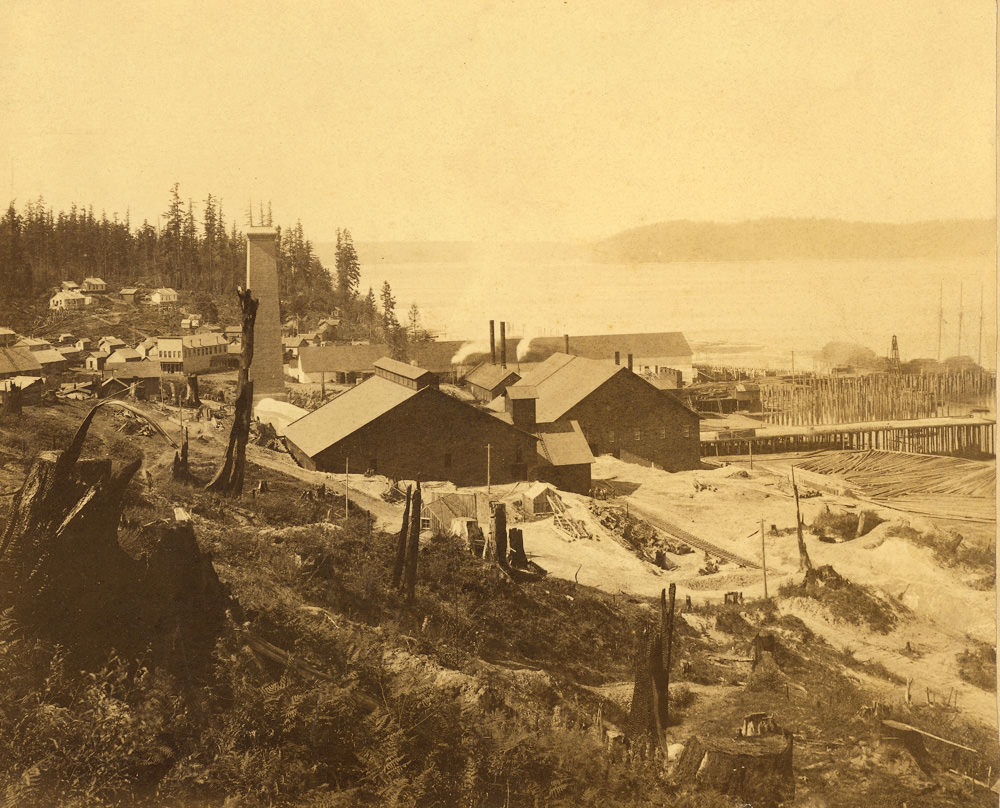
(487, 468)
(960, 315)
(979, 358)
(763, 556)
(940, 318)
(347, 485)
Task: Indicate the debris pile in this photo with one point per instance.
(638, 535)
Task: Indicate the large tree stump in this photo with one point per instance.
(649, 710)
(229, 479)
(65, 578)
(12, 401)
(756, 771)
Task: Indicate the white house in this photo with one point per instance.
(94, 285)
(63, 301)
(164, 296)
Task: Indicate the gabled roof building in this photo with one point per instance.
(399, 423)
(619, 412)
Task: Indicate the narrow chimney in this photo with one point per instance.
(503, 345)
(618, 357)
(630, 361)
(566, 339)
(493, 345)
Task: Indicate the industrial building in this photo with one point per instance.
(398, 423)
(192, 353)
(619, 412)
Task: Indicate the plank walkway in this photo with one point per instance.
(681, 534)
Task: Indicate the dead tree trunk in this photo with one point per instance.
(804, 561)
(12, 401)
(412, 546)
(229, 479)
(498, 544)
(400, 561)
(191, 393)
(518, 558)
(649, 709)
(181, 469)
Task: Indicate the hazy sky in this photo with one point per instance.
(498, 120)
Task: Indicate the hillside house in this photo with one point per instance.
(34, 344)
(18, 362)
(291, 345)
(111, 344)
(191, 322)
(192, 353)
(69, 286)
(128, 295)
(69, 301)
(7, 337)
(122, 357)
(51, 361)
(164, 296)
(84, 344)
(93, 285)
(619, 412)
(398, 423)
(96, 361)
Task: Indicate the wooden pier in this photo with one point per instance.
(954, 437)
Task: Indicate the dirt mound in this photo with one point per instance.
(845, 600)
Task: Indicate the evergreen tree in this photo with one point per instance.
(413, 323)
(389, 321)
(348, 267)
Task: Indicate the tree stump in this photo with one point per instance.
(12, 401)
(65, 578)
(756, 771)
(412, 548)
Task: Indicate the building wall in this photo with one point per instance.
(566, 478)
(628, 416)
(266, 369)
(432, 436)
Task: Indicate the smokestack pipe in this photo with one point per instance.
(493, 345)
(503, 345)
(618, 357)
(630, 361)
(566, 338)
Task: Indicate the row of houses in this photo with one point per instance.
(548, 424)
(73, 296)
(664, 358)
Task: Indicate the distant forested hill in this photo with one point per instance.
(776, 239)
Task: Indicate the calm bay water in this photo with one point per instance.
(755, 313)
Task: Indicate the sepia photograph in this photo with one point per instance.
(493, 404)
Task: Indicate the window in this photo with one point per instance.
(663, 433)
(611, 437)
(637, 436)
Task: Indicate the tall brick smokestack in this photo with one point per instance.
(493, 345)
(503, 344)
(266, 371)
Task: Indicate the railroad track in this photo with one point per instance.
(681, 534)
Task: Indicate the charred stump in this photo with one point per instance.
(757, 771)
(181, 468)
(400, 560)
(191, 393)
(229, 479)
(65, 578)
(649, 710)
(412, 548)
(12, 401)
